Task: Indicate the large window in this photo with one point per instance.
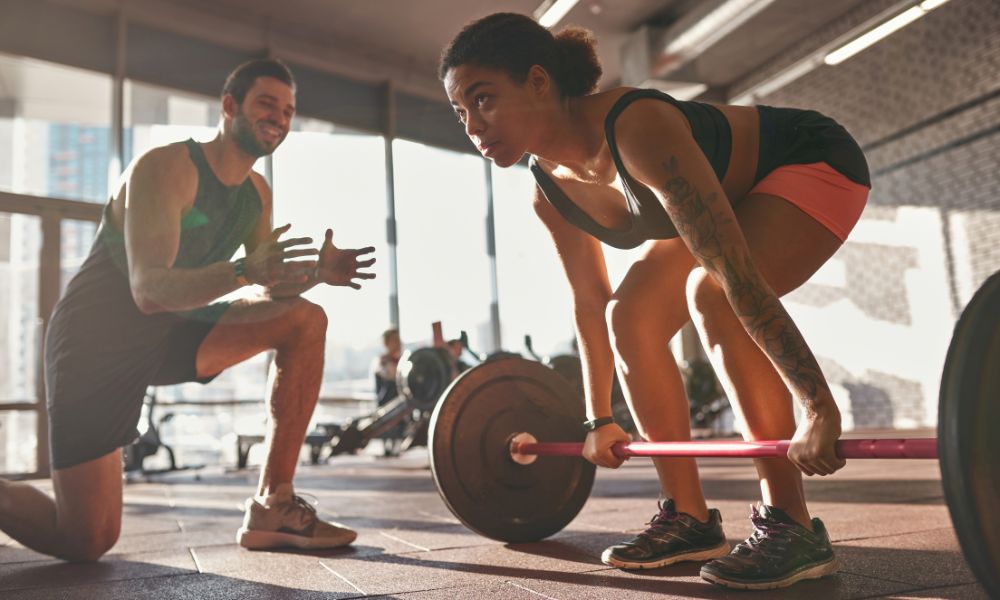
(20, 338)
(55, 130)
(444, 270)
(326, 177)
(534, 295)
(20, 329)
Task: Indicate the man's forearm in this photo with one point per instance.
(290, 290)
(165, 289)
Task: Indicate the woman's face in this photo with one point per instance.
(499, 114)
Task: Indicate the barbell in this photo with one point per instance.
(499, 480)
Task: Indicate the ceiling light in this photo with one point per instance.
(552, 11)
(842, 51)
(860, 43)
(711, 27)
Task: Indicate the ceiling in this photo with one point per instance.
(402, 39)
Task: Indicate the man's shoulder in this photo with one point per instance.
(262, 187)
(170, 157)
(166, 167)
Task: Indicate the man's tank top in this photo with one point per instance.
(97, 313)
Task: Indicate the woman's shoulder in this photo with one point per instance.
(600, 103)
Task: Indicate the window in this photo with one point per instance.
(157, 116)
(55, 130)
(444, 271)
(534, 294)
(20, 328)
(326, 177)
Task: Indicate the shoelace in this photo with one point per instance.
(300, 503)
(661, 520)
(769, 538)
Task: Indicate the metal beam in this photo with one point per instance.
(24, 204)
(390, 199)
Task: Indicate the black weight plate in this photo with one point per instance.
(470, 456)
(968, 443)
(570, 368)
(423, 375)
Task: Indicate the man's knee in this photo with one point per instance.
(88, 544)
(305, 321)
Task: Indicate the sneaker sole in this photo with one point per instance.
(263, 540)
(719, 551)
(814, 572)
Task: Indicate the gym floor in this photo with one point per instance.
(888, 519)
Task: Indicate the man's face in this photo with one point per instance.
(393, 344)
(262, 121)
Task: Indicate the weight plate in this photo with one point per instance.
(968, 445)
(570, 368)
(423, 375)
(470, 456)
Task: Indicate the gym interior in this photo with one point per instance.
(467, 277)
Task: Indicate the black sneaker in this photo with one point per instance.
(671, 537)
(778, 553)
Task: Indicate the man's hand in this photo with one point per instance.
(269, 264)
(341, 267)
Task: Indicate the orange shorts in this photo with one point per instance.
(819, 191)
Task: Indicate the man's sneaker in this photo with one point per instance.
(778, 553)
(285, 520)
(671, 537)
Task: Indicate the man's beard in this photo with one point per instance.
(246, 138)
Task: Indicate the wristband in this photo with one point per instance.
(595, 423)
(239, 270)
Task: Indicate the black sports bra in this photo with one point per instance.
(788, 136)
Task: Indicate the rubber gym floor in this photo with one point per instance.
(888, 520)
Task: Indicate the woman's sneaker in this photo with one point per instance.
(778, 553)
(671, 537)
(284, 519)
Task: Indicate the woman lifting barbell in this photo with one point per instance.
(741, 205)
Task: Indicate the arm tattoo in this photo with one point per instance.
(757, 307)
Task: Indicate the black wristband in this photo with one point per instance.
(239, 270)
(595, 423)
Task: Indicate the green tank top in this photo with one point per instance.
(218, 223)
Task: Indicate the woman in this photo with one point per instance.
(744, 205)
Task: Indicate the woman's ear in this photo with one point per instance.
(538, 80)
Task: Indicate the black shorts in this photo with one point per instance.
(96, 384)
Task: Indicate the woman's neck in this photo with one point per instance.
(569, 137)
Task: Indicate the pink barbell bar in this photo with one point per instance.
(872, 448)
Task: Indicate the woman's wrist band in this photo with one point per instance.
(595, 423)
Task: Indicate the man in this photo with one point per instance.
(384, 367)
(140, 313)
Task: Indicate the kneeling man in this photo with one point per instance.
(143, 311)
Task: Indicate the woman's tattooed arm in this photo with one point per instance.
(699, 219)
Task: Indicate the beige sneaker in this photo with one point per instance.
(284, 520)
